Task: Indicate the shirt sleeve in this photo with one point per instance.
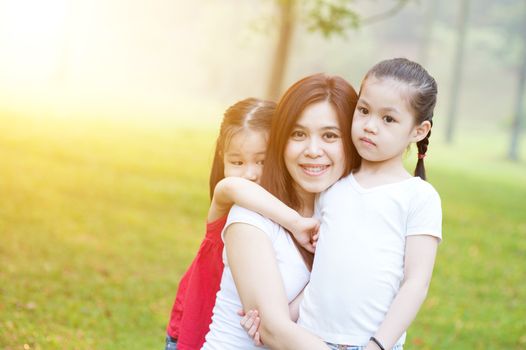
(239, 214)
(425, 217)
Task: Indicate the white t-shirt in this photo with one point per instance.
(225, 330)
(359, 260)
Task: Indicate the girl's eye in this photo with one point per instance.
(298, 134)
(363, 110)
(389, 119)
(236, 162)
(260, 162)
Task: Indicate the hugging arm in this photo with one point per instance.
(250, 321)
(419, 260)
(250, 195)
(258, 281)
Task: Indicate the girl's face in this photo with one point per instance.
(383, 122)
(314, 154)
(245, 154)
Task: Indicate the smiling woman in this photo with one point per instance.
(315, 150)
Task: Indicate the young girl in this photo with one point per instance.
(380, 226)
(240, 151)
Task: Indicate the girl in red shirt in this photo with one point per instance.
(240, 151)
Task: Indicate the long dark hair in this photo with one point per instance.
(422, 96)
(250, 113)
(312, 89)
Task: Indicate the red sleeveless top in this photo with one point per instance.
(192, 310)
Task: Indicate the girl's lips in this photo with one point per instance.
(314, 170)
(367, 141)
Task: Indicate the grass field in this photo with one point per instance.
(99, 219)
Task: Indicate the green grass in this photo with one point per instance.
(99, 219)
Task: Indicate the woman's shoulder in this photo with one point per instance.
(242, 215)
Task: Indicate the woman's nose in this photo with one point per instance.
(313, 149)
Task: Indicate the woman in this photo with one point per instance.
(309, 150)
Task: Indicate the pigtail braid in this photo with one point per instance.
(421, 145)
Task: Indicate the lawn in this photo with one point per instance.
(99, 219)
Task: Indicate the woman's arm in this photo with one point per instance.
(248, 194)
(294, 306)
(252, 261)
(419, 260)
(250, 321)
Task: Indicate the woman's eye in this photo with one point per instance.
(331, 136)
(389, 119)
(298, 134)
(260, 162)
(236, 162)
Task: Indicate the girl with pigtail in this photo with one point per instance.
(380, 226)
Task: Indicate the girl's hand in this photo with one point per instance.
(250, 323)
(305, 230)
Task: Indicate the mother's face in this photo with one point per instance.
(314, 154)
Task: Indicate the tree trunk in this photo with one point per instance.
(431, 11)
(456, 79)
(516, 126)
(281, 54)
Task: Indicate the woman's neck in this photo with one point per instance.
(306, 199)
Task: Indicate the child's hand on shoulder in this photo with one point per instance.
(305, 230)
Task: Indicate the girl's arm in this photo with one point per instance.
(258, 281)
(248, 194)
(419, 259)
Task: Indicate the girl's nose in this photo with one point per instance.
(370, 126)
(251, 173)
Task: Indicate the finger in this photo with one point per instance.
(250, 321)
(257, 339)
(252, 331)
(245, 319)
(241, 312)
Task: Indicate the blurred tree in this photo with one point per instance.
(456, 80)
(506, 20)
(427, 33)
(286, 14)
(516, 125)
(329, 17)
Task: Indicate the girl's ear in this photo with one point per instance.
(420, 131)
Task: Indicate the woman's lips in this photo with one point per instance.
(314, 169)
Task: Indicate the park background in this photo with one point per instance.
(108, 114)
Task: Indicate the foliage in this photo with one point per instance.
(335, 17)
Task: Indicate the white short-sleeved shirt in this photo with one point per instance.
(225, 330)
(359, 260)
